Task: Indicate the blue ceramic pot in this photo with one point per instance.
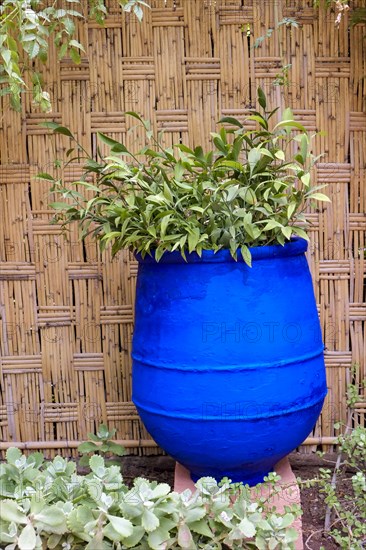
(228, 367)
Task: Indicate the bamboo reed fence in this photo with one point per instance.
(66, 312)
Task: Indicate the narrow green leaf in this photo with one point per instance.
(107, 140)
(230, 164)
(185, 149)
(164, 224)
(220, 145)
(159, 253)
(193, 238)
(64, 131)
(262, 98)
(290, 124)
(75, 56)
(280, 155)
(32, 49)
(137, 117)
(306, 179)
(56, 128)
(6, 55)
(319, 197)
(258, 118)
(304, 146)
(232, 192)
(287, 114)
(240, 212)
(231, 120)
(254, 157)
(63, 50)
(271, 224)
(60, 205)
(291, 209)
(45, 176)
(247, 257)
(120, 148)
(248, 195)
(77, 45)
(287, 232)
(300, 232)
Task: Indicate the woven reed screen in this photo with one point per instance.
(66, 313)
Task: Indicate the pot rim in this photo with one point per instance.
(295, 247)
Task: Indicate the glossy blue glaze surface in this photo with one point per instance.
(228, 368)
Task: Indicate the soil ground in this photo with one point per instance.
(305, 466)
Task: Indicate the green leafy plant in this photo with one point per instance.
(26, 27)
(345, 518)
(101, 444)
(48, 505)
(250, 189)
(347, 511)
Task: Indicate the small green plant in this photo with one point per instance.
(47, 505)
(348, 511)
(345, 518)
(250, 189)
(100, 444)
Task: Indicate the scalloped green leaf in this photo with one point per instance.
(149, 521)
(247, 528)
(158, 538)
(10, 511)
(121, 525)
(161, 490)
(27, 539)
(96, 462)
(134, 539)
(13, 454)
(87, 447)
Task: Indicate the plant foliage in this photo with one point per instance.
(100, 443)
(346, 513)
(250, 189)
(26, 27)
(48, 505)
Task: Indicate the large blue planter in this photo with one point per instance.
(228, 368)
